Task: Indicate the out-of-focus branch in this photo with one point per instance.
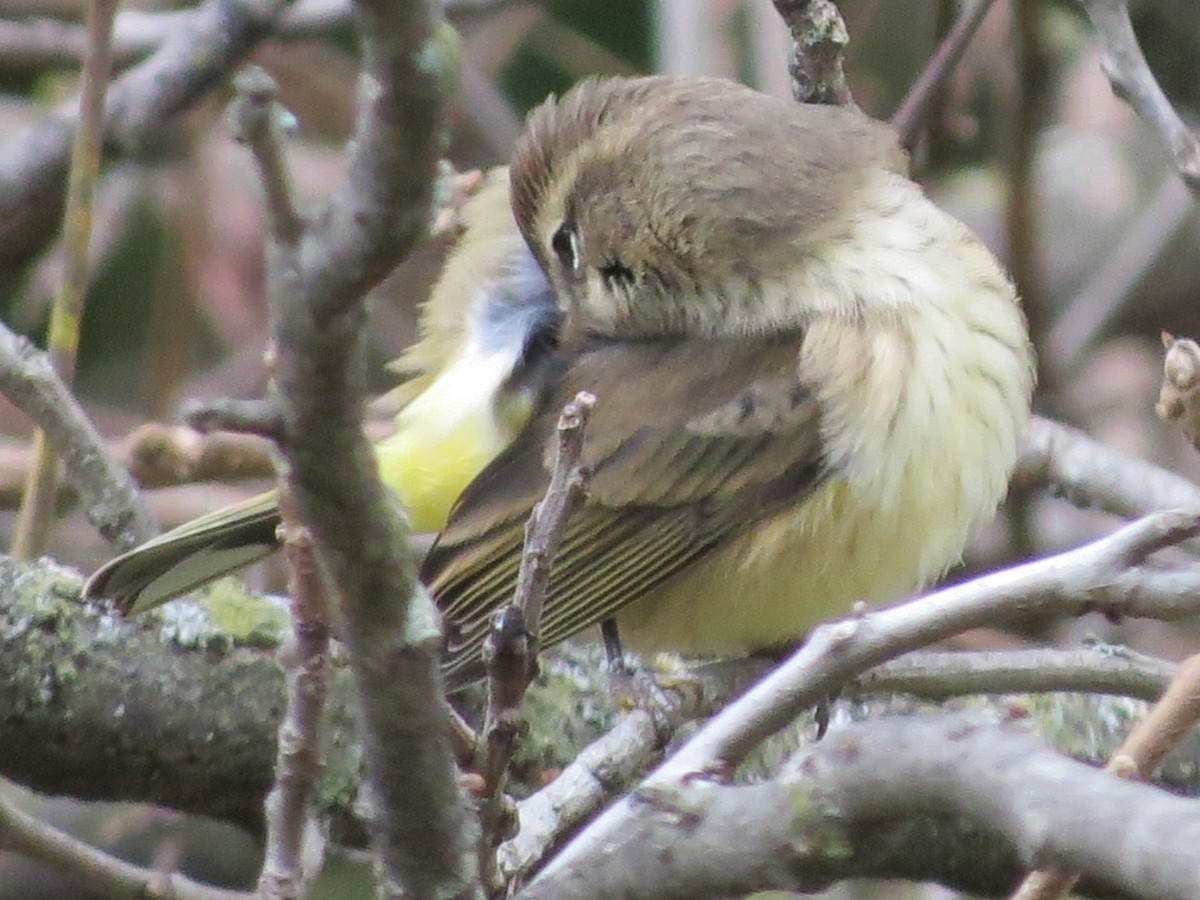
(913, 113)
(194, 59)
(95, 869)
(839, 651)
(66, 313)
(819, 42)
(1093, 475)
(49, 43)
(109, 495)
(831, 814)
(1132, 81)
(1111, 286)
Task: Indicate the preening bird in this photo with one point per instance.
(810, 381)
(487, 332)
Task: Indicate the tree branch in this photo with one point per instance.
(833, 813)
(195, 58)
(110, 497)
(841, 650)
(317, 281)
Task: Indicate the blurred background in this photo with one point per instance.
(1027, 144)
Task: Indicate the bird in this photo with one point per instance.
(469, 386)
(810, 381)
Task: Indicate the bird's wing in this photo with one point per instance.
(690, 443)
(189, 556)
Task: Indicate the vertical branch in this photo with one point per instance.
(819, 42)
(1021, 222)
(319, 269)
(511, 648)
(305, 662)
(37, 508)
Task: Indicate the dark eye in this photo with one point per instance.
(565, 245)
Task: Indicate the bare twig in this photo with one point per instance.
(934, 675)
(1143, 751)
(37, 507)
(511, 648)
(305, 662)
(1093, 475)
(262, 418)
(910, 118)
(841, 650)
(27, 835)
(1110, 287)
(256, 119)
(112, 501)
(1132, 80)
(189, 63)
(828, 816)
(819, 42)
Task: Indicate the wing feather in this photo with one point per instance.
(691, 443)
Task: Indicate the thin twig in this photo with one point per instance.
(37, 509)
(1132, 80)
(257, 120)
(1143, 751)
(911, 117)
(511, 648)
(841, 650)
(258, 417)
(304, 659)
(95, 869)
(110, 497)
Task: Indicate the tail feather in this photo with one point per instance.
(188, 557)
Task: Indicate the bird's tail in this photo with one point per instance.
(189, 556)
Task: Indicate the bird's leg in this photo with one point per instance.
(613, 651)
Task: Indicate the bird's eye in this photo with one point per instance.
(565, 245)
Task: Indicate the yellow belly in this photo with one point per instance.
(923, 406)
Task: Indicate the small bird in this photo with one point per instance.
(810, 381)
(487, 332)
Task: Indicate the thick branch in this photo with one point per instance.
(841, 650)
(316, 287)
(833, 813)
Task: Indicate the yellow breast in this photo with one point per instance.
(446, 437)
(924, 399)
